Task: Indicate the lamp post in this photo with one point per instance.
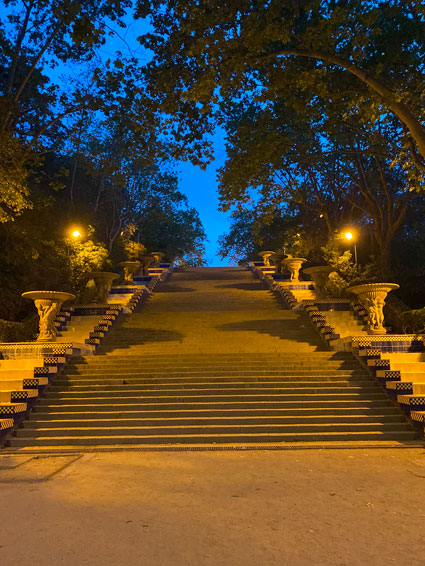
(349, 236)
(73, 234)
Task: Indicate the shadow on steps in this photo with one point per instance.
(251, 286)
(140, 336)
(295, 330)
(171, 288)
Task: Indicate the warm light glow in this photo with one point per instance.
(76, 234)
(348, 235)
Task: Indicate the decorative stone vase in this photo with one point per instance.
(372, 297)
(320, 275)
(157, 257)
(146, 262)
(277, 259)
(103, 281)
(293, 265)
(130, 268)
(266, 257)
(48, 305)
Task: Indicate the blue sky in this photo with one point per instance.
(201, 189)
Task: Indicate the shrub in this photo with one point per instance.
(18, 331)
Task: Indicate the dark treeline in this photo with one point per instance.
(81, 148)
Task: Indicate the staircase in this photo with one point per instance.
(213, 358)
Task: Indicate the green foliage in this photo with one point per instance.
(134, 250)
(84, 257)
(18, 331)
(346, 273)
(252, 231)
(14, 173)
(313, 55)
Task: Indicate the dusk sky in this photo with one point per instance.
(201, 189)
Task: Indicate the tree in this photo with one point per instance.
(334, 172)
(253, 230)
(369, 53)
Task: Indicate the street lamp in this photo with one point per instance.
(75, 233)
(349, 236)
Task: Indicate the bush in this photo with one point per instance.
(134, 250)
(18, 331)
(85, 257)
(347, 273)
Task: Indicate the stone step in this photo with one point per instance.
(245, 381)
(415, 367)
(217, 429)
(89, 405)
(214, 438)
(185, 397)
(235, 357)
(278, 388)
(223, 363)
(407, 357)
(405, 376)
(272, 387)
(67, 423)
(378, 412)
(284, 375)
(157, 365)
(229, 366)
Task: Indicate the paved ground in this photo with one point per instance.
(258, 508)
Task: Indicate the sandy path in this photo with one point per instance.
(259, 508)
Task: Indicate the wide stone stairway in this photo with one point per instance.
(213, 358)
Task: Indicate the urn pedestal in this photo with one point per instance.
(319, 275)
(266, 257)
(48, 305)
(372, 296)
(293, 265)
(157, 257)
(103, 281)
(146, 262)
(130, 268)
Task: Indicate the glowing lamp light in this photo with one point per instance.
(348, 235)
(76, 234)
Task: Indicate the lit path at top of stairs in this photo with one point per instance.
(214, 310)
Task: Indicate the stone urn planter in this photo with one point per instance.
(157, 257)
(48, 305)
(130, 268)
(103, 281)
(146, 262)
(266, 257)
(319, 275)
(372, 297)
(293, 265)
(277, 259)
